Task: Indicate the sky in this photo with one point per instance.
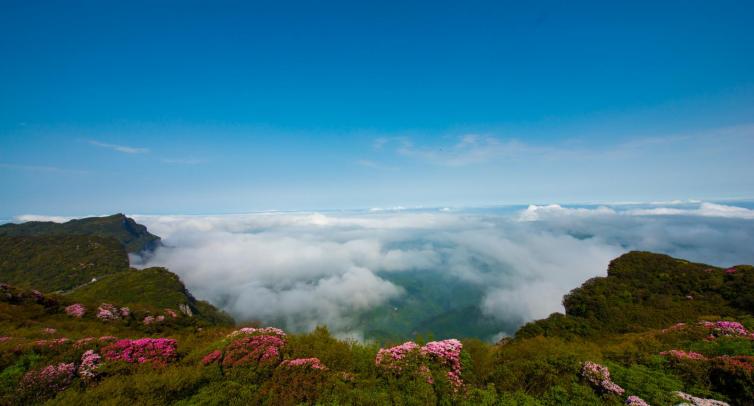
(227, 107)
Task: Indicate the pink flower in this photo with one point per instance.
(313, 363)
(212, 357)
(83, 342)
(263, 331)
(171, 313)
(253, 350)
(106, 311)
(731, 271)
(49, 330)
(148, 320)
(448, 352)
(159, 351)
(386, 357)
(680, 354)
(599, 376)
(76, 310)
(89, 364)
(636, 401)
(699, 401)
(125, 312)
(46, 382)
(5, 338)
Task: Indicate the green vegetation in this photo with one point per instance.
(62, 262)
(627, 322)
(646, 291)
(133, 236)
(151, 289)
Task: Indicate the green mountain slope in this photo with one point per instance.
(59, 262)
(644, 290)
(132, 235)
(151, 289)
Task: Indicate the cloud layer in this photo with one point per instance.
(304, 269)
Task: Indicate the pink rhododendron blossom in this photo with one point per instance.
(90, 361)
(313, 363)
(159, 318)
(56, 342)
(263, 331)
(45, 382)
(107, 311)
(107, 338)
(254, 350)
(680, 354)
(636, 401)
(599, 376)
(49, 330)
(727, 328)
(83, 342)
(386, 357)
(731, 271)
(76, 310)
(159, 351)
(448, 353)
(695, 401)
(125, 312)
(5, 338)
(171, 313)
(148, 320)
(212, 357)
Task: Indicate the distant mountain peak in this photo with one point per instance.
(133, 236)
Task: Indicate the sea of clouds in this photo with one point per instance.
(308, 269)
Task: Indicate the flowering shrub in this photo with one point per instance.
(263, 331)
(680, 354)
(313, 363)
(412, 358)
(253, 350)
(76, 310)
(90, 361)
(171, 313)
(159, 351)
(599, 376)
(636, 401)
(53, 343)
(83, 342)
(699, 401)
(448, 353)
(727, 328)
(5, 338)
(49, 330)
(46, 382)
(212, 357)
(107, 338)
(731, 271)
(391, 358)
(107, 311)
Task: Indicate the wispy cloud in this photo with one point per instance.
(468, 149)
(183, 161)
(375, 165)
(41, 168)
(120, 148)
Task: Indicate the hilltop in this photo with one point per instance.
(133, 236)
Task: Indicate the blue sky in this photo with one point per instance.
(192, 107)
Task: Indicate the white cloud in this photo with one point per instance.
(467, 150)
(38, 217)
(304, 269)
(120, 148)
